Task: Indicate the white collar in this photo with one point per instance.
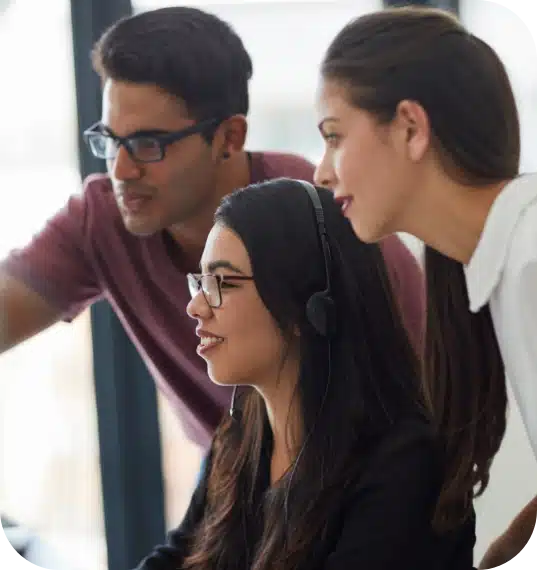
(484, 270)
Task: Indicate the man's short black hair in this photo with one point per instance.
(187, 52)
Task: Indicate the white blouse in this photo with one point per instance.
(503, 273)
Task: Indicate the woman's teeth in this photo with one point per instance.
(210, 340)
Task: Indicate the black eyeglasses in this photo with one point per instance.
(148, 146)
(211, 286)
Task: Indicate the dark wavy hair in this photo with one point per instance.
(371, 368)
(427, 56)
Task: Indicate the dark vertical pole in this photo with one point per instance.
(129, 436)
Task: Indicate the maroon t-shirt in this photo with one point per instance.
(84, 253)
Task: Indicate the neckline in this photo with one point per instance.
(171, 249)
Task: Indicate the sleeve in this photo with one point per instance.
(408, 284)
(524, 336)
(388, 521)
(170, 556)
(56, 264)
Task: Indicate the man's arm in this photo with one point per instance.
(49, 279)
(23, 313)
(513, 540)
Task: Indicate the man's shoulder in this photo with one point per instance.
(92, 211)
(99, 202)
(98, 188)
(283, 164)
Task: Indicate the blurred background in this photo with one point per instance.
(59, 476)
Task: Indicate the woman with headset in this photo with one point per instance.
(326, 460)
(422, 136)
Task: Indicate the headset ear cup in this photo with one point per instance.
(320, 312)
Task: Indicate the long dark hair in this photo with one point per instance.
(427, 56)
(373, 377)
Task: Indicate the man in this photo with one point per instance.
(173, 128)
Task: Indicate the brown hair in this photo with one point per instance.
(427, 56)
(350, 391)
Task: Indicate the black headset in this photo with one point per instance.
(320, 308)
(320, 312)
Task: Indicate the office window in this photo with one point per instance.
(181, 459)
(50, 475)
(512, 39)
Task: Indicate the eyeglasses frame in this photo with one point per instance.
(219, 280)
(163, 139)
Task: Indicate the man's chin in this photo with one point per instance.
(140, 228)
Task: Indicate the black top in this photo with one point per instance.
(383, 523)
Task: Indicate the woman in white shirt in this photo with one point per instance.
(422, 136)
